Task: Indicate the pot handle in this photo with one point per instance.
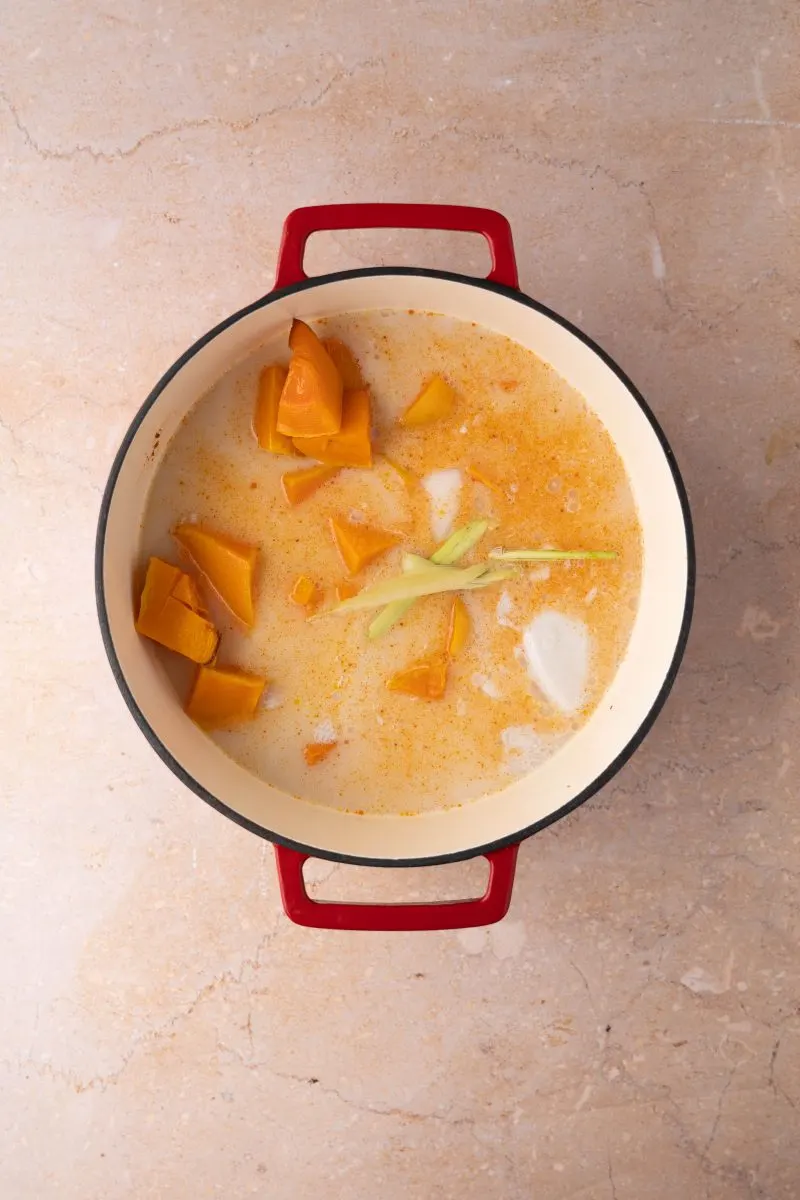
(301, 223)
(492, 906)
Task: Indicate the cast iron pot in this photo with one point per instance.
(495, 825)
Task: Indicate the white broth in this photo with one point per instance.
(543, 646)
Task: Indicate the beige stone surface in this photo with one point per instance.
(632, 1030)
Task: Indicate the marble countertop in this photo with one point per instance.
(632, 1030)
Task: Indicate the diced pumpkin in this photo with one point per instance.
(408, 477)
(345, 362)
(310, 404)
(181, 629)
(228, 565)
(187, 591)
(481, 477)
(299, 485)
(345, 590)
(165, 620)
(265, 421)
(315, 752)
(160, 579)
(360, 544)
(426, 680)
(223, 696)
(435, 401)
(351, 446)
(459, 629)
(303, 340)
(304, 591)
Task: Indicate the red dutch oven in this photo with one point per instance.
(495, 825)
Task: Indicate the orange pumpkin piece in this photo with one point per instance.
(265, 420)
(315, 752)
(180, 629)
(303, 340)
(187, 591)
(299, 485)
(160, 579)
(310, 404)
(426, 680)
(459, 629)
(165, 620)
(304, 592)
(435, 401)
(346, 363)
(227, 564)
(223, 696)
(360, 544)
(345, 590)
(351, 446)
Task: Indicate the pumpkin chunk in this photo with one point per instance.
(304, 592)
(187, 591)
(426, 680)
(265, 420)
(360, 544)
(459, 629)
(315, 752)
(180, 629)
(435, 401)
(223, 696)
(345, 362)
(159, 582)
(351, 446)
(164, 619)
(310, 404)
(303, 340)
(345, 590)
(229, 566)
(299, 485)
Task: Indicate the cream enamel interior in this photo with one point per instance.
(586, 755)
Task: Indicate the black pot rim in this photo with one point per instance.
(459, 855)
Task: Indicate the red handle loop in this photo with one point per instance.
(301, 223)
(448, 914)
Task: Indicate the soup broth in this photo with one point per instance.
(521, 448)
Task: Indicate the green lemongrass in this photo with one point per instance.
(460, 543)
(450, 552)
(550, 555)
(413, 563)
(411, 587)
(490, 576)
(416, 562)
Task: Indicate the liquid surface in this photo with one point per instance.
(554, 478)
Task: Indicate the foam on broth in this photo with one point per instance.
(558, 481)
